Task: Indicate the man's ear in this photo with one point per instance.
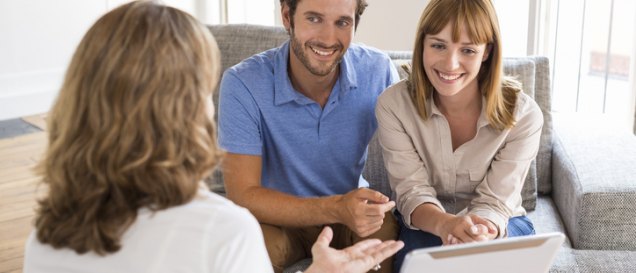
(284, 12)
(487, 53)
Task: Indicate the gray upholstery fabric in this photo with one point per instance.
(546, 218)
(543, 97)
(238, 42)
(570, 260)
(564, 262)
(594, 186)
(523, 70)
(604, 261)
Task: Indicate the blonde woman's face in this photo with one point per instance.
(452, 67)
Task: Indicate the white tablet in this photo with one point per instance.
(525, 254)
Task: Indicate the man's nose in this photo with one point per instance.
(328, 35)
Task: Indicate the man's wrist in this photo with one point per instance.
(331, 206)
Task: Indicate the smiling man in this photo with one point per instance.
(296, 121)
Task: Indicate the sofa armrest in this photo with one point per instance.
(594, 184)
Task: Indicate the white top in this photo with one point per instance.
(209, 234)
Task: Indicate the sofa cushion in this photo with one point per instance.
(593, 172)
(546, 218)
(238, 42)
(543, 97)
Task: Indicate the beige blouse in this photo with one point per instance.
(484, 176)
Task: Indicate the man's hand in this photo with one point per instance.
(363, 210)
(465, 229)
(360, 257)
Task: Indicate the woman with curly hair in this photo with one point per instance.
(131, 138)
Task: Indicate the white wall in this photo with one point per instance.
(390, 24)
(38, 38)
(386, 24)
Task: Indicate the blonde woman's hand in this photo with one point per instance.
(360, 257)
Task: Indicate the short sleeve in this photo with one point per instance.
(239, 118)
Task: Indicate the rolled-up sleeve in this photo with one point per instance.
(407, 171)
(499, 194)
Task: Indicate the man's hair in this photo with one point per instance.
(360, 6)
(131, 127)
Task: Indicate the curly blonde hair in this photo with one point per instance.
(132, 126)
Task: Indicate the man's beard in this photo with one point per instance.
(297, 49)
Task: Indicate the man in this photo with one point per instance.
(296, 121)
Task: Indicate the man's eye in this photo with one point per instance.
(313, 19)
(343, 23)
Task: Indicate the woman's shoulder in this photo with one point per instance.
(526, 104)
(205, 208)
(527, 110)
(208, 201)
(396, 93)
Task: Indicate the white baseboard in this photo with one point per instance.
(30, 93)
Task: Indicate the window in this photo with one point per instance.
(591, 47)
(513, 22)
(590, 44)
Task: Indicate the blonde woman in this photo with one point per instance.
(457, 136)
(131, 136)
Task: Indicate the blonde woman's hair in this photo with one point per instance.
(132, 126)
(482, 26)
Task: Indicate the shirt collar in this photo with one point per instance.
(481, 122)
(284, 92)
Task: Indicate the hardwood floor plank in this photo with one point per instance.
(12, 265)
(39, 138)
(19, 189)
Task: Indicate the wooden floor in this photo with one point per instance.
(19, 190)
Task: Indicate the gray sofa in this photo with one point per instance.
(582, 183)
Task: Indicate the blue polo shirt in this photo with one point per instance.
(306, 150)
